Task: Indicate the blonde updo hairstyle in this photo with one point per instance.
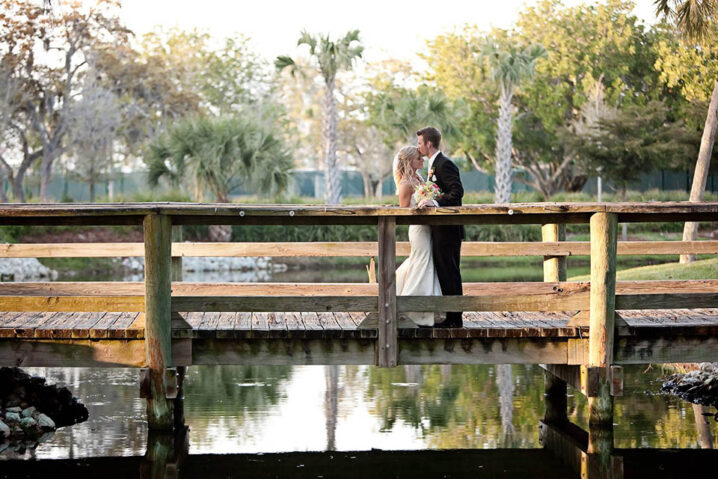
(402, 165)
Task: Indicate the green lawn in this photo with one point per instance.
(702, 269)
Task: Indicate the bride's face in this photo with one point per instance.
(417, 163)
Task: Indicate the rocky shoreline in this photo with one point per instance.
(699, 386)
(30, 409)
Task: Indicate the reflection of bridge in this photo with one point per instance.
(164, 326)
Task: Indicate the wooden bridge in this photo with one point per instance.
(582, 332)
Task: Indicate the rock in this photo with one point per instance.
(4, 430)
(12, 417)
(27, 423)
(25, 268)
(16, 409)
(45, 422)
(28, 412)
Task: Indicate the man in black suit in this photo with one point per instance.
(446, 240)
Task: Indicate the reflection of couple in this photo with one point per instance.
(432, 268)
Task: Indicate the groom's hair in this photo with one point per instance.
(430, 134)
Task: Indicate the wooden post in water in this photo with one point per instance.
(602, 314)
(554, 269)
(387, 353)
(158, 341)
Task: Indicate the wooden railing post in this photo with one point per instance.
(554, 270)
(177, 260)
(602, 313)
(158, 341)
(387, 351)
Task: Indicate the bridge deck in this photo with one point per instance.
(281, 325)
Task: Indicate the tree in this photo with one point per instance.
(93, 123)
(695, 20)
(219, 155)
(330, 58)
(509, 67)
(624, 144)
(66, 39)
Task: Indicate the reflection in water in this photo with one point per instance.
(330, 405)
(505, 384)
(243, 409)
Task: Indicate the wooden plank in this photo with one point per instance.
(278, 324)
(110, 289)
(361, 351)
(656, 350)
(58, 325)
(101, 329)
(260, 325)
(225, 325)
(278, 303)
(83, 327)
(344, 320)
(546, 302)
(243, 324)
(387, 354)
(311, 321)
(119, 328)
(552, 248)
(26, 324)
(70, 250)
(667, 301)
(72, 353)
(72, 303)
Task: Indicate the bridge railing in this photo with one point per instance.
(158, 298)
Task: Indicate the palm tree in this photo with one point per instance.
(509, 66)
(694, 19)
(330, 57)
(218, 155)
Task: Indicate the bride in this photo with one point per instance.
(417, 275)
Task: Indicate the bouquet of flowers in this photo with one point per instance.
(428, 191)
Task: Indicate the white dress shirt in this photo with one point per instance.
(431, 165)
(431, 160)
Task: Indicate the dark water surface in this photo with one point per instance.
(243, 409)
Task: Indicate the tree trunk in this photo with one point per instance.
(502, 189)
(332, 180)
(368, 185)
(3, 196)
(46, 174)
(698, 188)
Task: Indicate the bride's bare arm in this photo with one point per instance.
(405, 192)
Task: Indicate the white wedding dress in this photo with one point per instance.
(417, 275)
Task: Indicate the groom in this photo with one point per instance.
(446, 240)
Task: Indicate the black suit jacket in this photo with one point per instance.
(449, 182)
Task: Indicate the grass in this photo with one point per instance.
(702, 269)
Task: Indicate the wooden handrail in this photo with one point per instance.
(345, 249)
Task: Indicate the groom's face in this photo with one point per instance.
(422, 147)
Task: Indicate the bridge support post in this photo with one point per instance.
(387, 350)
(158, 310)
(554, 270)
(602, 314)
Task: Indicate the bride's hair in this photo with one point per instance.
(402, 164)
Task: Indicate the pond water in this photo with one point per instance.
(242, 409)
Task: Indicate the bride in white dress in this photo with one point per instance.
(417, 275)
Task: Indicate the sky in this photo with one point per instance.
(389, 28)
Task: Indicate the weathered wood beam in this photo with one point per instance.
(129, 288)
(554, 270)
(158, 341)
(602, 307)
(387, 353)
